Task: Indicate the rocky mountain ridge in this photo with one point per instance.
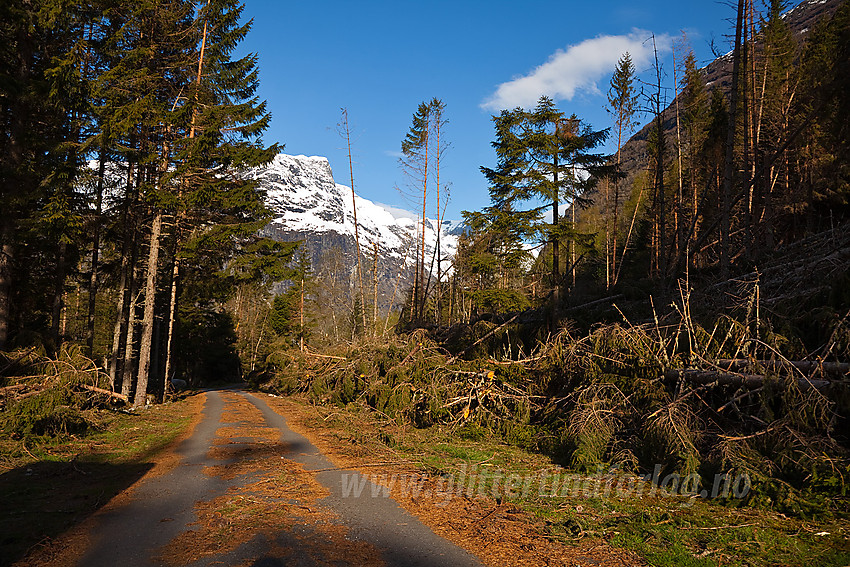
(308, 205)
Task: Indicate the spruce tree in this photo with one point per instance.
(492, 257)
(622, 105)
(544, 158)
(414, 162)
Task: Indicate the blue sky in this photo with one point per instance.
(380, 59)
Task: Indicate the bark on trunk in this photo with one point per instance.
(58, 296)
(125, 291)
(172, 315)
(129, 358)
(6, 255)
(95, 249)
(729, 163)
(148, 317)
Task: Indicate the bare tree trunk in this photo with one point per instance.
(127, 366)
(755, 197)
(346, 131)
(746, 100)
(605, 213)
(422, 299)
(438, 154)
(120, 341)
(148, 317)
(573, 250)
(659, 175)
(95, 249)
(556, 245)
(58, 294)
(65, 190)
(680, 222)
(175, 275)
(172, 316)
(6, 256)
(375, 285)
(729, 162)
(614, 270)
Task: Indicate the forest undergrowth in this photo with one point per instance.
(52, 396)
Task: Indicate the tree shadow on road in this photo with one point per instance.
(42, 500)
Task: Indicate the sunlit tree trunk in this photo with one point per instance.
(148, 317)
(729, 161)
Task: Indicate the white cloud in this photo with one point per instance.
(577, 68)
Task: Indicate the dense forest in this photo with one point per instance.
(125, 126)
(686, 304)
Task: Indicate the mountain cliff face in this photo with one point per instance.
(308, 205)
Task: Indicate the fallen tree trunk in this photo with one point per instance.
(807, 366)
(592, 303)
(308, 353)
(109, 393)
(733, 379)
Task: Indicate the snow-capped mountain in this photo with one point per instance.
(309, 205)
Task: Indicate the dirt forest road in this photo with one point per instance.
(250, 491)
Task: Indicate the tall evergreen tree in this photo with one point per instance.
(414, 161)
(694, 113)
(45, 111)
(543, 159)
(622, 104)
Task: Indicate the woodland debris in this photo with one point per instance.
(109, 393)
(308, 353)
(807, 366)
(596, 302)
(12, 362)
(731, 379)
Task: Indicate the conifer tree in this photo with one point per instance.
(438, 125)
(42, 109)
(492, 257)
(773, 119)
(414, 161)
(543, 158)
(694, 120)
(622, 104)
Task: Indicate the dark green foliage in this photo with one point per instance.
(49, 413)
(52, 399)
(622, 95)
(155, 93)
(824, 149)
(544, 159)
(499, 300)
(281, 314)
(207, 346)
